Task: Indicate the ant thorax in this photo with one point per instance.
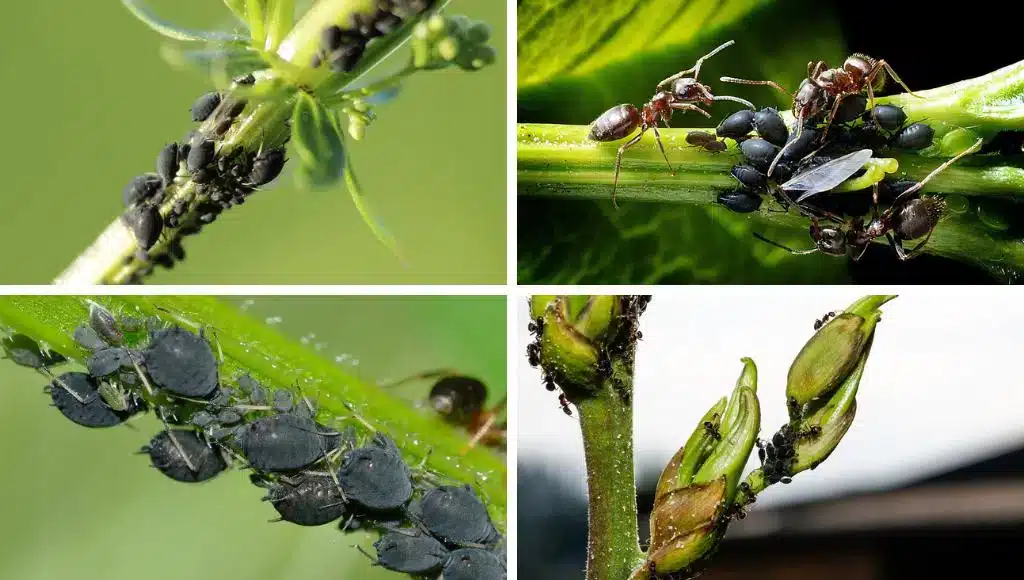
(660, 106)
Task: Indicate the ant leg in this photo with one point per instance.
(492, 418)
(696, 67)
(905, 255)
(749, 82)
(432, 374)
(618, 162)
(778, 156)
(657, 139)
(787, 248)
(832, 115)
(690, 107)
(881, 64)
(939, 169)
(874, 199)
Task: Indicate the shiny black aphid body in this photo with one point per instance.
(759, 153)
(204, 106)
(916, 136)
(805, 143)
(284, 442)
(737, 125)
(146, 224)
(266, 167)
(749, 177)
(85, 407)
(181, 363)
(770, 126)
(107, 361)
(889, 117)
(375, 476)
(312, 501)
(850, 108)
(142, 188)
(167, 163)
(740, 201)
(200, 155)
(456, 516)
(27, 353)
(410, 551)
(474, 564)
(167, 457)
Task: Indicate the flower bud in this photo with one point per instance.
(830, 356)
(575, 330)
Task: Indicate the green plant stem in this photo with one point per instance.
(606, 420)
(111, 259)
(252, 347)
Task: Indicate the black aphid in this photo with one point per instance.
(204, 106)
(312, 501)
(167, 163)
(27, 353)
(76, 396)
(410, 551)
(889, 117)
(345, 60)
(108, 361)
(284, 442)
(181, 363)
(246, 79)
(331, 38)
(740, 201)
(142, 188)
(266, 167)
(169, 459)
(375, 476)
(474, 564)
(736, 125)
(916, 136)
(146, 225)
(850, 108)
(759, 153)
(283, 401)
(200, 155)
(804, 145)
(771, 127)
(88, 338)
(456, 516)
(749, 177)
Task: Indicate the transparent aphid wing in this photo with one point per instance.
(827, 176)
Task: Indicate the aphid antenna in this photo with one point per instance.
(695, 70)
(431, 374)
(938, 170)
(356, 416)
(784, 247)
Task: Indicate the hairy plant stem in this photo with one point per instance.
(254, 348)
(111, 259)
(558, 161)
(606, 419)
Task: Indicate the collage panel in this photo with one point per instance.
(795, 142)
(261, 437)
(834, 434)
(341, 125)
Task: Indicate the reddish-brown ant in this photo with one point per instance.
(564, 402)
(906, 219)
(824, 86)
(459, 400)
(678, 92)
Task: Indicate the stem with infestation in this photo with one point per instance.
(606, 422)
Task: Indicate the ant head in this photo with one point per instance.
(810, 100)
(457, 398)
(690, 89)
(830, 240)
(917, 217)
(858, 65)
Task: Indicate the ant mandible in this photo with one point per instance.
(825, 85)
(459, 400)
(905, 219)
(676, 93)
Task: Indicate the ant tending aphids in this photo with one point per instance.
(906, 219)
(533, 354)
(549, 383)
(821, 321)
(711, 428)
(459, 400)
(564, 402)
(678, 92)
(829, 86)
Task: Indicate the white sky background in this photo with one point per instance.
(943, 386)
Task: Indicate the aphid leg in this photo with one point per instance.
(618, 163)
(938, 170)
(787, 248)
(358, 417)
(695, 70)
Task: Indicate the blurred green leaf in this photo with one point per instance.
(256, 14)
(237, 7)
(214, 62)
(382, 235)
(280, 21)
(317, 143)
(143, 13)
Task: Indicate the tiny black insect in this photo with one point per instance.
(474, 564)
(284, 442)
(27, 353)
(142, 188)
(375, 476)
(200, 155)
(851, 108)
(168, 450)
(181, 363)
(771, 127)
(107, 361)
(266, 167)
(749, 177)
(456, 516)
(740, 201)
(313, 500)
(76, 396)
(167, 163)
(888, 117)
(759, 153)
(737, 125)
(410, 551)
(204, 106)
(146, 225)
(916, 136)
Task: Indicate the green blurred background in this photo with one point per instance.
(80, 505)
(88, 102)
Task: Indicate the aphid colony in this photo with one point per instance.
(838, 129)
(342, 47)
(312, 474)
(219, 180)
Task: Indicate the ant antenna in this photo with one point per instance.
(743, 102)
(696, 67)
(433, 374)
(939, 169)
(784, 247)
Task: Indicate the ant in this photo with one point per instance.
(705, 141)
(825, 85)
(459, 400)
(905, 219)
(676, 93)
(821, 322)
(711, 427)
(564, 402)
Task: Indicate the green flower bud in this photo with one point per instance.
(829, 357)
(448, 48)
(740, 426)
(685, 528)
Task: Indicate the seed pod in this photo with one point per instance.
(830, 356)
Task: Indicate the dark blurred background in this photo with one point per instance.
(927, 45)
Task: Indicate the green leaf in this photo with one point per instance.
(237, 7)
(281, 18)
(382, 235)
(219, 63)
(255, 15)
(143, 13)
(318, 143)
(580, 37)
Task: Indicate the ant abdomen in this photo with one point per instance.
(615, 123)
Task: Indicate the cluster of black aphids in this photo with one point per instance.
(777, 456)
(313, 475)
(221, 180)
(342, 47)
(853, 127)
